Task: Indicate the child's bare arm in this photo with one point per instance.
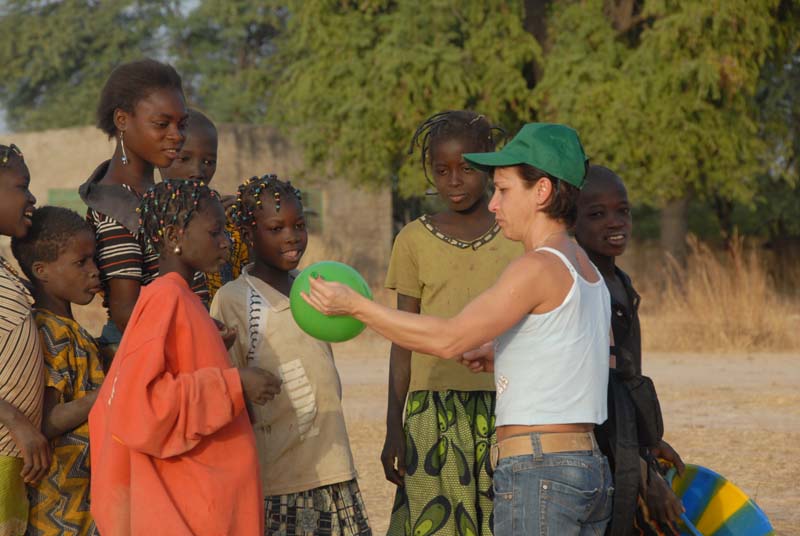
(59, 419)
(393, 454)
(122, 296)
(29, 440)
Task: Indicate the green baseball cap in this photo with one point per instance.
(555, 149)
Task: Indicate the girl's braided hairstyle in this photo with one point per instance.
(250, 197)
(8, 153)
(170, 202)
(454, 124)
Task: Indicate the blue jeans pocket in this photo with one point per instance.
(568, 500)
(503, 507)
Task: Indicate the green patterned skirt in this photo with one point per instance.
(448, 482)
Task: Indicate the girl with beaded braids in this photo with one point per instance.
(439, 263)
(307, 468)
(173, 409)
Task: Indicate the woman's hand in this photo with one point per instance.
(330, 298)
(480, 359)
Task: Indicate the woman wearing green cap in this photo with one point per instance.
(548, 317)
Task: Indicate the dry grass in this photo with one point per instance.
(719, 303)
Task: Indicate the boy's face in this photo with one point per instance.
(197, 159)
(16, 200)
(459, 184)
(279, 239)
(204, 244)
(73, 276)
(604, 218)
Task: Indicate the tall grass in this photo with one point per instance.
(719, 303)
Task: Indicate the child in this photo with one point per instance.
(143, 108)
(173, 451)
(197, 160)
(602, 229)
(57, 255)
(439, 263)
(307, 468)
(24, 452)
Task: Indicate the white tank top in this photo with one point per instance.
(552, 368)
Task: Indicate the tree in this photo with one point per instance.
(225, 51)
(361, 75)
(56, 55)
(663, 92)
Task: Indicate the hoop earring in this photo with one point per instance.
(177, 250)
(122, 146)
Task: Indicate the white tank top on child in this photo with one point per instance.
(552, 368)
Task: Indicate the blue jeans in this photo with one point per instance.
(559, 494)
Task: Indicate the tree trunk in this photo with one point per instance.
(675, 227)
(535, 23)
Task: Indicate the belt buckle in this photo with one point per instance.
(494, 455)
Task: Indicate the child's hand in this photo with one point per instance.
(479, 360)
(35, 450)
(228, 334)
(664, 450)
(662, 502)
(259, 385)
(393, 456)
(330, 298)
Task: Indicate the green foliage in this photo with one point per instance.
(362, 75)
(225, 50)
(669, 103)
(56, 55)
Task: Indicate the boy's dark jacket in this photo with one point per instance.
(619, 436)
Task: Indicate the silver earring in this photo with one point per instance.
(177, 250)
(122, 145)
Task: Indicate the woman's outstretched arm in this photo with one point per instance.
(515, 294)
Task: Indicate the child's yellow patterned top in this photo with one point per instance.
(74, 369)
(238, 259)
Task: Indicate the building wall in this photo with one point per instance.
(356, 222)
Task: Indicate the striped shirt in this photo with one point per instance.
(123, 255)
(21, 363)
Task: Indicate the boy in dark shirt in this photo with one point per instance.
(646, 505)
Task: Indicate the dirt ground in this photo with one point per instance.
(736, 414)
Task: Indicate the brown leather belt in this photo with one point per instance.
(551, 442)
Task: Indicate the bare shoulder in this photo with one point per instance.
(529, 273)
(533, 265)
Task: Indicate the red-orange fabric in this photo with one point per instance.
(172, 449)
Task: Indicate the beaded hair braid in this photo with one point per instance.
(458, 124)
(7, 152)
(170, 202)
(250, 193)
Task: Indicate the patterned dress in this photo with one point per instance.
(60, 501)
(449, 417)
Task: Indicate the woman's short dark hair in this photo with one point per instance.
(128, 84)
(563, 203)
